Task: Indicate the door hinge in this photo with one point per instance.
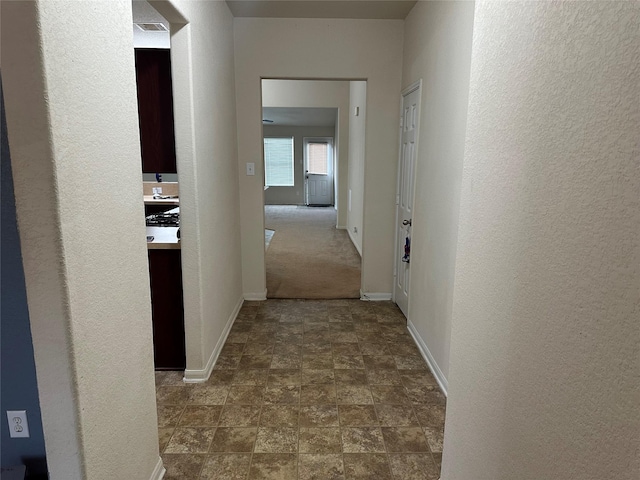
(401, 122)
(398, 199)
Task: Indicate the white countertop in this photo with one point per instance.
(164, 237)
(149, 200)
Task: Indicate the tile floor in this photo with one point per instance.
(307, 389)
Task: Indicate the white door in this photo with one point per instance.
(318, 167)
(404, 200)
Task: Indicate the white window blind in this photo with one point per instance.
(278, 162)
(318, 161)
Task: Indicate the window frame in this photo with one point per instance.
(328, 155)
(266, 160)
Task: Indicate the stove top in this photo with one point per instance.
(163, 220)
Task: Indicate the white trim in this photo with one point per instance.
(255, 297)
(159, 471)
(341, 227)
(374, 297)
(199, 376)
(355, 244)
(426, 354)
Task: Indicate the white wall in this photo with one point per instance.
(150, 39)
(545, 355)
(305, 93)
(319, 94)
(357, 140)
(437, 49)
(166, 177)
(315, 48)
(76, 162)
(206, 149)
(293, 195)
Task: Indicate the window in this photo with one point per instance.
(318, 158)
(278, 162)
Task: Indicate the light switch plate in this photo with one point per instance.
(18, 425)
(251, 168)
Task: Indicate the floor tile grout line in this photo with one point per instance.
(334, 338)
(253, 449)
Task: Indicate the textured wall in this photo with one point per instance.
(19, 386)
(206, 149)
(357, 141)
(73, 133)
(437, 49)
(322, 49)
(307, 93)
(545, 340)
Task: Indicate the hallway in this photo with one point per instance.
(307, 389)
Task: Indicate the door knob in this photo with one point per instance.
(406, 222)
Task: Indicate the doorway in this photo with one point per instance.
(305, 126)
(152, 50)
(318, 167)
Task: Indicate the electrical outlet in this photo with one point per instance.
(251, 168)
(18, 425)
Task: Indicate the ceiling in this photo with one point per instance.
(143, 12)
(300, 117)
(372, 9)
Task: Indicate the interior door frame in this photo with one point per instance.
(406, 91)
(332, 165)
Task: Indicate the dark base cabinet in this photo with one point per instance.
(165, 273)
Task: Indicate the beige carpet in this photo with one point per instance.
(308, 257)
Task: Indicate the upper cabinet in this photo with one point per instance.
(155, 110)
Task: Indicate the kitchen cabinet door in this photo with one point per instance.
(165, 272)
(155, 110)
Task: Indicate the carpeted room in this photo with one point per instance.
(307, 256)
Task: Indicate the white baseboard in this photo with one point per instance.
(199, 376)
(255, 297)
(341, 227)
(159, 471)
(375, 297)
(426, 354)
(355, 244)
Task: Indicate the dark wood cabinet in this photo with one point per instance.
(155, 110)
(165, 273)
